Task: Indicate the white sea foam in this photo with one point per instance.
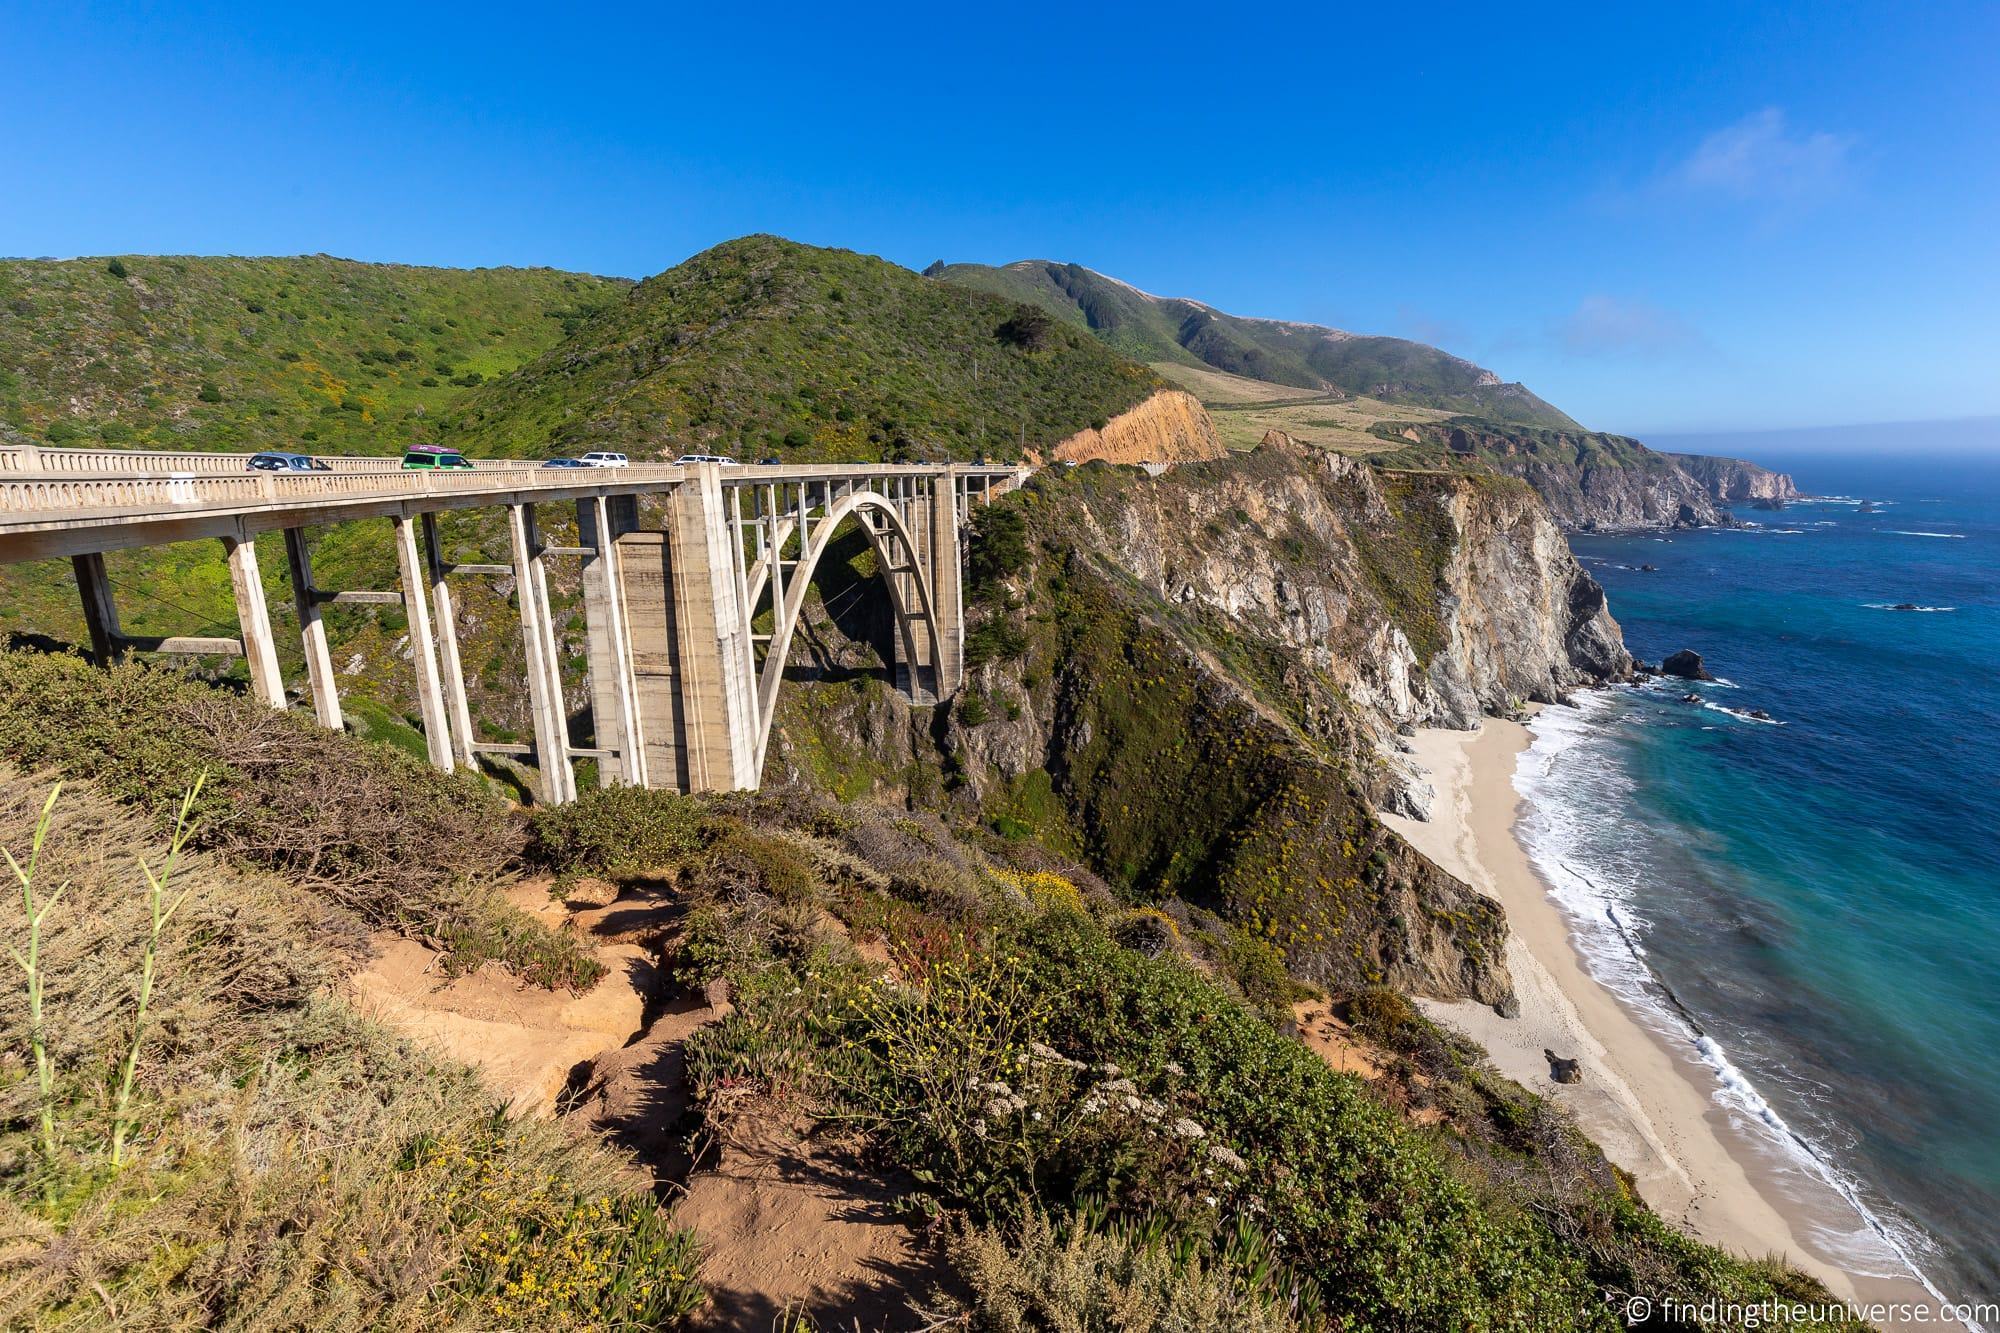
(1577, 829)
(1905, 606)
(1898, 532)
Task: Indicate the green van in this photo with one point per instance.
(433, 457)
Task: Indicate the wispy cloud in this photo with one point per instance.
(1603, 325)
(1762, 159)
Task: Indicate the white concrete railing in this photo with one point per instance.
(35, 460)
(83, 496)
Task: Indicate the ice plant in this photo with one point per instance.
(162, 912)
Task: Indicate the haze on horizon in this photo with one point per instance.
(1719, 218)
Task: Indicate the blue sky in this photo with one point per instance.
(1664, 218)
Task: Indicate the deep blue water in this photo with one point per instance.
(1821, 893)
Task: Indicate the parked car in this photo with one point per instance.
(566, 462)
(272, 461)
(433, 457)
(604, 458)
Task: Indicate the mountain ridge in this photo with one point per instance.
(1194, 332)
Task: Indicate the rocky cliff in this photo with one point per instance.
(1732, 479)
(1196, 683)
(1593, 482)
(1170, 427)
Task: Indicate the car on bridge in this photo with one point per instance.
(688, 460)
(604, 458)
(273, 461)
(565, 462)
(433, 457)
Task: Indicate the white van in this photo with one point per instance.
(604, 458)
(689, 460)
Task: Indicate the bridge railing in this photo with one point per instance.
(32, 460)
(85, 496)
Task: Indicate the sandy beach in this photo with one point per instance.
(1650, 1105)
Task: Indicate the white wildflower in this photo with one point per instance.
(1188, 1129)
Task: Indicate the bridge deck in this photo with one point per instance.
(63, 511)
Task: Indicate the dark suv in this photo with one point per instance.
(277, 462)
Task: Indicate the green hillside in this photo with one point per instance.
(1306, 356)
(762, 346)
(321, 354)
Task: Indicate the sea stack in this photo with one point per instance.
(1687, 665)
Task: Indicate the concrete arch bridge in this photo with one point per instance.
(689, 615)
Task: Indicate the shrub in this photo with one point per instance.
(116, 268)
(1068, 1272)
(376, 831)
(1028, 328)
(998, 550)
(615, 831)
(208, 393)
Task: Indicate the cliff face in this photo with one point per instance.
(1732, 479)
(1195, 682)
(1170, 427)
(1592, 482)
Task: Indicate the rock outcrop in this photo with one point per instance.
(1593, 482)
(1731, 480)
(1686, 664)
(1170, 427)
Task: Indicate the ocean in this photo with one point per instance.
(1811, 903)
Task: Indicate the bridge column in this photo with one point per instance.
(423, 647)
(312, 632)
(450, 667)
(545, 699)
(100, 607)
(253, 616)
(717, 688)
(947, 597)
(614, 706)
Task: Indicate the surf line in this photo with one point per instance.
(1822, 1165)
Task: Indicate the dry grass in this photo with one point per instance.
(290, 1165)
(1243, 409)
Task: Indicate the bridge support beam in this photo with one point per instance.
(450, 667)
(545, 697)
(717, 687)
(423, 646)
(312, 632)
(614, 706)
(253, 615)
(100, 607)
(947, 594)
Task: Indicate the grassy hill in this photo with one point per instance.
(1304, 356)
(321, 354)
(763, 346)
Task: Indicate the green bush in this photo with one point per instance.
(615, 831)
(375, 830)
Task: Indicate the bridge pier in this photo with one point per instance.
(545, 697)
(444, 616)
(423, 647)
(601, 523)
(100, 607)
(717, 690)
(312, 631)
(253, 619)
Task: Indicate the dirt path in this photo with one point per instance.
(789, 1222)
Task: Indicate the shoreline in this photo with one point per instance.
(1646, 1100)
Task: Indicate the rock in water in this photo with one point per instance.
(1687, 665)
(1561, 1070)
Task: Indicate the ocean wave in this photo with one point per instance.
(1904, 606)
(1577, 833)
(1742, 714)
(1898, 532)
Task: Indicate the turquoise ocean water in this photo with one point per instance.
(1812, 903)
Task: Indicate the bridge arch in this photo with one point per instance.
(901, 567)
